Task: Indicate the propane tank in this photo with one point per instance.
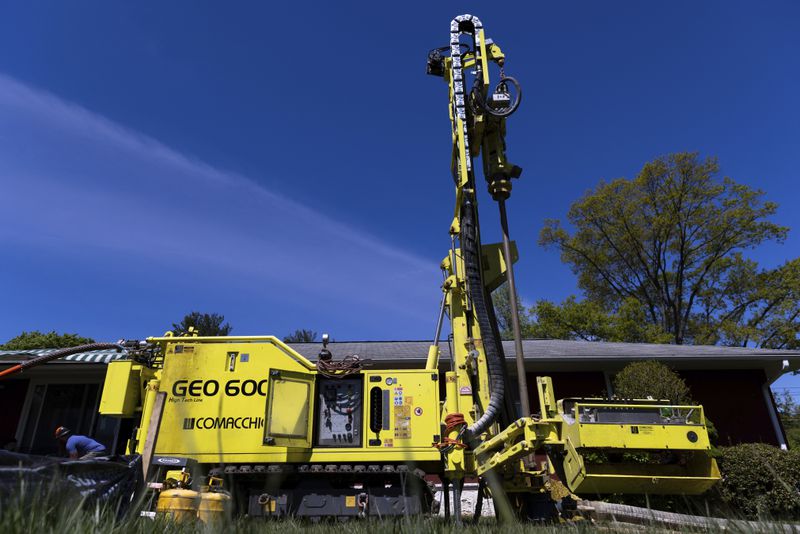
(214, 502)
(179, 504)
(214, 506)
(178, 501)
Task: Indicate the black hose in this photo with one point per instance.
(505, 111)
(509, 413)
(470, 246)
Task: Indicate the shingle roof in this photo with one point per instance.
(547, 349)
(536, 350)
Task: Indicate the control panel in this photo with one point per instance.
(339, 412)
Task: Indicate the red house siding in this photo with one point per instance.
(734, 401)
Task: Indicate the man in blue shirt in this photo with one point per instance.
(79, 447)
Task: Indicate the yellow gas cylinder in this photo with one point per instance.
(214, 506)
(179, 504)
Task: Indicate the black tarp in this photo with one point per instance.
(110, 481)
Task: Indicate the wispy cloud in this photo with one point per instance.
(71, 176)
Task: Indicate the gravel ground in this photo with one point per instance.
(469, 496)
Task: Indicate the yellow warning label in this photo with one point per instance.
(350, 501)
(402, 421)
(409, 400)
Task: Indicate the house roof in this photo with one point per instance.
(550, 350)
(536, 350)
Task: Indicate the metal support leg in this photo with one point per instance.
(522, 379)
(479, 501)
(457, 501)
(446, 497)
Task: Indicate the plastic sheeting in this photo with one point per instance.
(111, 481)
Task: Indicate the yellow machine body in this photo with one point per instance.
(599, 446)
(254, 400)
(664, 450)
(234, 400)
(124, 397)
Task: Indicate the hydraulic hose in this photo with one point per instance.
(505, 111)
(57, 354)
(470, 247)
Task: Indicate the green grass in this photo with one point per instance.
(47, 512)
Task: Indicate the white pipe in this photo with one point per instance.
(773, 416)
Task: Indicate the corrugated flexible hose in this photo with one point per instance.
(470, 246)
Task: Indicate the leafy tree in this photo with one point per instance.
(206, 324)
(640, 380)
(584, 320)
(301, 336)
(588, 321)
(50, 340)
(751, 306)
(789, 412)
(671, 239)
(502, 311)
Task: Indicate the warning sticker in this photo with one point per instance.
(402, 421)
(398, 396)
(466, 390)
(350, 501)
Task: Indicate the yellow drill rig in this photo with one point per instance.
(292, 437)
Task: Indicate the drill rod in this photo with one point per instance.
(522, 379)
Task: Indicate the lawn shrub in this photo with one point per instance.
(759, 480)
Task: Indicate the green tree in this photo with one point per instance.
(671, 239)
(301, 336)
(749, 305)
(789, 412)
(205, 324)
(39, 340)
(502, 312)
(588, 321)
(640, 380)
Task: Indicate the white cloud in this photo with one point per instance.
(71, 176)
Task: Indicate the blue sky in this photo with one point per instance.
(286, 164)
